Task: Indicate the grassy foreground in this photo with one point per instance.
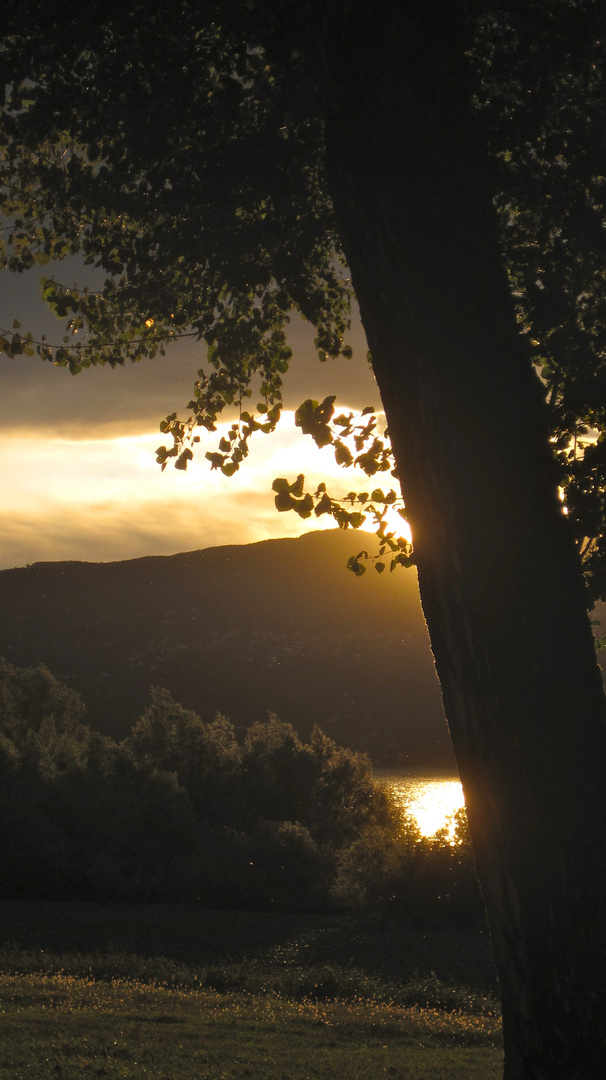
(72, 1027)
(285, 1011)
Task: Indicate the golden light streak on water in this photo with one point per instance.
(430, 800)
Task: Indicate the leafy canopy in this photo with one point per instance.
(182, 154)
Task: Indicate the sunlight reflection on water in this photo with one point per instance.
(430, 800)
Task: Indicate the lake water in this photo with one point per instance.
(430, 800)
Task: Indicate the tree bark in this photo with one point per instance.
(500, 581)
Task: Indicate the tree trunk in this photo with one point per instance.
(500, 581)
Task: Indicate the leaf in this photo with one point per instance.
(324, 506)
(183, 459)
(216, 460)
(379, 567)
(405, 560)
(280, 484)
(296, 489)
(284, 501)
(355, 566)
(312, 417)
(357, 520)
(343, 455)
(303, 507)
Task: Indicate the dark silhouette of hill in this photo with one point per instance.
(278, 625)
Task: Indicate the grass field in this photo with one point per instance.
(293, 1008)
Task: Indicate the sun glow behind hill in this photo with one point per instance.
(75, 488)
(105, 498)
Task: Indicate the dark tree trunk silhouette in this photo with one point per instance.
(500, 580)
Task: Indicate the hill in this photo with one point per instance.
(278, 625)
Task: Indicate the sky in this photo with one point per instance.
(79, 477)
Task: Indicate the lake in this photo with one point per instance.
(431, 800)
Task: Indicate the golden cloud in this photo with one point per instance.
(104, 499)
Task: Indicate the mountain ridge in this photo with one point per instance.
(277, 625)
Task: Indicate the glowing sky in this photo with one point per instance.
(79, 478)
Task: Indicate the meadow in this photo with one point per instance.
(178, 993)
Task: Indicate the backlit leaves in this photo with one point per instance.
(121, 157)
(313, 416)
(181, 156)
(397, 549)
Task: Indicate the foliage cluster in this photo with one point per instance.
(107, 153)
(181, 809)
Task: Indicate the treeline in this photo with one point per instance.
(183, 810)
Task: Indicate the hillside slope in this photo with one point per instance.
(278, 625)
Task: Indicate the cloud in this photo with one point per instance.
(79, 476)
(116, 532)
(101, 499)
(133, 399)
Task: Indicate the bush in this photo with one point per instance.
(204, 758)
(427, 879)
(181, 811)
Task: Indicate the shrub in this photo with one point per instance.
(180, 810)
